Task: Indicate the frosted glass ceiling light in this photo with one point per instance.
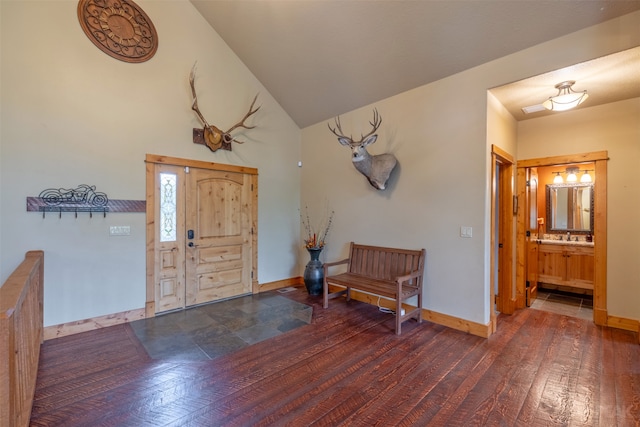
(566, 98)
(571, 175)
(558, 178)
(585, 177)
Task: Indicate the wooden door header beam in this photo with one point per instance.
(561, 160)
(175, 161)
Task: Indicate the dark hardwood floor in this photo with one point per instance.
(349, 368)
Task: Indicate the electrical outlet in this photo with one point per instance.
(402, 311)
(466, 232)
(119, 230)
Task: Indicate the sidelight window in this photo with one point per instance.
(168, 222)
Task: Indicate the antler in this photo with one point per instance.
(339, 128)
(194, 106)
(377, 121)
(213, 136)
(251, 112)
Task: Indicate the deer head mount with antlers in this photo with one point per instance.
(376, 168)
(211, 136)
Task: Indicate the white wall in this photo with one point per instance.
(73, 115)
(425, 203)
(502, 128)
(615, 128)
(502, 131)
(439, 134)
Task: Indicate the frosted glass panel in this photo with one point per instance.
(168, 207)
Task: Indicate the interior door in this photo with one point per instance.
(218, 251)
(502, 231)
(532, 273)
(536, 228)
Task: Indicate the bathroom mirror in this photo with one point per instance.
(570, 208)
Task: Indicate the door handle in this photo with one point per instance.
(191, 245)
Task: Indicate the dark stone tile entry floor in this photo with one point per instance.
(569, 304)
(212, 330)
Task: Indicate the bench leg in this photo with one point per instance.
(398, 316)
(325, 293)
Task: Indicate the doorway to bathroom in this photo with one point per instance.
(541, 259)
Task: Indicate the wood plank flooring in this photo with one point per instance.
(348, 368)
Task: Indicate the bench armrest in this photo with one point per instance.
(331, 264)
(407, 277)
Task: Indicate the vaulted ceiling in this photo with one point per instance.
(322, 58)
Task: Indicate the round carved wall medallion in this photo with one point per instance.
(119, 28)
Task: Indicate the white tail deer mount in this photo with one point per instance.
(211, 136)
(376, 168)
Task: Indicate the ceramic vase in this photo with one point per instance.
(314, 272)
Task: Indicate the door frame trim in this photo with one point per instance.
(153, 159)
(600, 158)
(504, 178)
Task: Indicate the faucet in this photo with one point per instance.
(568, 236)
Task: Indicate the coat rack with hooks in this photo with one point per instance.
(83, 198)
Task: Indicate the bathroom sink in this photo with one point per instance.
(564, 242)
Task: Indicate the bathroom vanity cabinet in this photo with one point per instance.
(566, 265)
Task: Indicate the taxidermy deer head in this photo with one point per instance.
(213, 137)
(376, 168)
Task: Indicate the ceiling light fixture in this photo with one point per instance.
(566, 98)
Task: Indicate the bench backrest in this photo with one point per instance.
(384, 263)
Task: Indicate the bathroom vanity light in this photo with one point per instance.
(585, 177)
(558, 178)
(572, 176)
(566, 98)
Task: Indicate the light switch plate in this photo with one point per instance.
(466, 232)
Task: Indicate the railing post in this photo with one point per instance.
(21, 334)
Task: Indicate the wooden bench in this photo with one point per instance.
(387, 272)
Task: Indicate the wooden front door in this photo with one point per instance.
(218, 235)
(201, 232)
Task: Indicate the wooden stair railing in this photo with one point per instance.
(21, 334)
